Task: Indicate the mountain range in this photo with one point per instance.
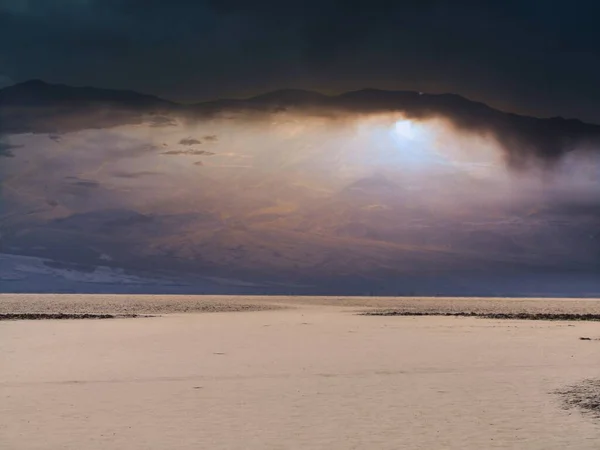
(42, 107)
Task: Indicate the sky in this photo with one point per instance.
(527, 56)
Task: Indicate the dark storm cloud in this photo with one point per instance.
(77, 189)
(162, 121)
(135, 175)
(528, 56)
(86, 184)
(188, 152)
(189, 141)
(6, 150)
(192, 141)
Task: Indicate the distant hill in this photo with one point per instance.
(39, 93)
(39, 107)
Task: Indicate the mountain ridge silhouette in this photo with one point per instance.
(37, 106)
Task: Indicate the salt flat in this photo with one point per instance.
(309, 374)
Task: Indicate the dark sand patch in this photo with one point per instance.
(63, 316)
(503, 316)
(120, 305)
(584, 396)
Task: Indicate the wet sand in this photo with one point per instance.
(311, 373)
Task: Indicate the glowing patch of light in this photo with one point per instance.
(411, 142)
(406, 129)
(415, 144)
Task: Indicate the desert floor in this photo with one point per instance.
(293, 373)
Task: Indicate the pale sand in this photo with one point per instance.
(312, 376)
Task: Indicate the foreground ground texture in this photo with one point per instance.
(281, 373)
